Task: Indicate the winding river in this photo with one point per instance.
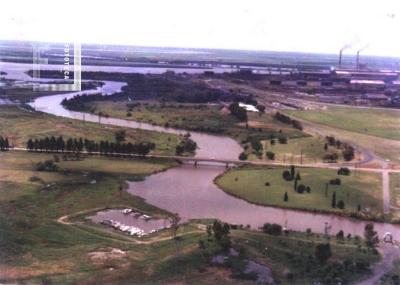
(190, 191)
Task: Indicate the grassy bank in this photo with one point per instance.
(20, 125)
(211, 119)
(251, 184)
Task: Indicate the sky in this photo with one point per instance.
(276, 25)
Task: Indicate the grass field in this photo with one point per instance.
(19, 125)
(249, 183)
(383, 123)
(383, 147)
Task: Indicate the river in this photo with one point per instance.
(190, 191)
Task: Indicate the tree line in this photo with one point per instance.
(287, 120)
(4, 144)
(78, 145)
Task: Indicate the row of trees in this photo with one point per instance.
(287, 120)
(78, 145)
(4, 144)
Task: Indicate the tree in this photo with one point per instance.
(174, 229)
(292, 171)
(340, 204)
(120, 136)
(286, 197)
(323, 252)
(238, 112)
(343, 171)
(348, 153)
(272, 229)
(243, 156)
(370, 235)
(301, 188)
(270, 155)
(334, 200)
(340, 235)
(286, 175)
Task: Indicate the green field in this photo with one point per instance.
(384, 147)
(19, 125)
(249, 183)
(383, 123)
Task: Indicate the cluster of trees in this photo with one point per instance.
(186, 145)
(339, 204)
(238, 112)
(4, 144)
(221, 232)
(291, 175)
(287, 120)
(78, 102)
(272, 229)
(347, 150)
(78, 145)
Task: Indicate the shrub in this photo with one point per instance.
(343, 171)
(243, 156)
(48, 165)
(335, 181)
(272, 229)
(270, 155)
(287, 176)
(340, 204)
(282, 140)
(301, 188)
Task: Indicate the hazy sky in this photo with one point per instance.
(281, 25)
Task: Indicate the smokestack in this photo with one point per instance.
(358, 56)
(341, 52)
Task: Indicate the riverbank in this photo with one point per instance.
(23, 123)
(266, 186)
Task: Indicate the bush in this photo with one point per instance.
(272, 229)
(243, 156)
(335, 181)
(282, 140)
(343, 171)
(301, 188)
(270, 155)
(340, 204)
(48, 165)
(287, 176)
(330, 157)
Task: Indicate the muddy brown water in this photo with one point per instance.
(190, 191)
